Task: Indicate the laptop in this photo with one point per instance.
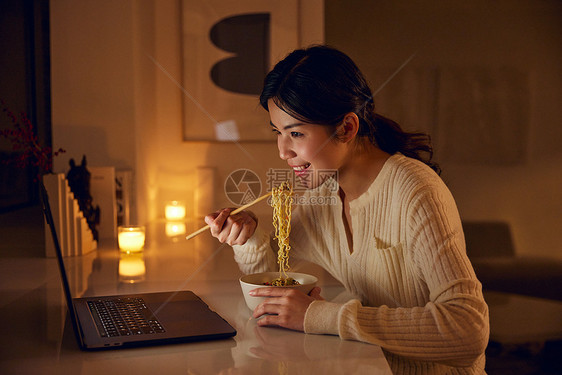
(111, 322)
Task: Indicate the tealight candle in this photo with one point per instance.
(175, 229)
(175, 210)
(131, 238)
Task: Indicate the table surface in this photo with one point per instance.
(36, 335)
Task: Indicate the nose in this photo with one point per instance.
(284, 146)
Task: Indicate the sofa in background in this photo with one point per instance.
(492, 253)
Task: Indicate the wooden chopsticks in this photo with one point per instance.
(201, 230)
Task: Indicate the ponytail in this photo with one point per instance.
(389, 137)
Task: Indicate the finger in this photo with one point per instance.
(270, 320)
(225, 231)
(271, 292)
(269, 306)
(280, 312)
(213, 223)
(211, 217)
(236, 228)
(217, 226)
(266, 292)
(315, 293)
(247, 229)
(266, 320)
(278, 306)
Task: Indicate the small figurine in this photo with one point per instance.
(79, 181)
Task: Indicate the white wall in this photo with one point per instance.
(112, 103)
(93, 84)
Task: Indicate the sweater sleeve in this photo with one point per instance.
(256, 255)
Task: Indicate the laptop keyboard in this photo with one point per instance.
(123, 317)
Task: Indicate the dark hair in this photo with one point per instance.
(321, 85)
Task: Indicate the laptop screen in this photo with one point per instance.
(66, 287)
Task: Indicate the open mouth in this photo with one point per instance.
(301, 169)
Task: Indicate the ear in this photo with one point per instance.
(349, 127)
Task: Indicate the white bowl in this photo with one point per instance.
(257, 280)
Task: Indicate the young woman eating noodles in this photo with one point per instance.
(394, 239)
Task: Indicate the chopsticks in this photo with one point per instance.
(242, 208)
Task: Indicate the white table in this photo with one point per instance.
(37, 338)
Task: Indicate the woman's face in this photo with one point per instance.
(309, 149)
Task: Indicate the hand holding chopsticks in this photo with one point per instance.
(242, 208)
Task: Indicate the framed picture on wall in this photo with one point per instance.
(227, 49)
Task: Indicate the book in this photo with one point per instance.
(123, 195)
(102, 190)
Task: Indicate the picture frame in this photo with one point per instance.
(227, 49)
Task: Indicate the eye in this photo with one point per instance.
(275, 131)
(296, 134)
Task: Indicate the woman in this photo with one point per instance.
(393, 239)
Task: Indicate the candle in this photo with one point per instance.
(131, 238)
(175, 229)
(175, 210)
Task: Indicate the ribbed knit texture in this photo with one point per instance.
(419, 298)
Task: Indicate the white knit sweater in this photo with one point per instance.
(418, 296)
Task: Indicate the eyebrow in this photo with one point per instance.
(288, 126)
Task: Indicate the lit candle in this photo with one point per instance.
(175, 210)
(175, 229)
(131, 238)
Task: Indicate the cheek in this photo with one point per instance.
(324, 155)
(312, 156)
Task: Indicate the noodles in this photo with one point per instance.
(281, 200)
(282, 282)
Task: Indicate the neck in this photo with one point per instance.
(360, 170)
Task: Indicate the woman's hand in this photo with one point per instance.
(285, 307)
(232, 229)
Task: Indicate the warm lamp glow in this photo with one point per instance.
(175, 229)
(175, 210)
(131, 268)
(131, 238)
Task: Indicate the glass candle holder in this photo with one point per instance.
(131, 238)
(174, 210)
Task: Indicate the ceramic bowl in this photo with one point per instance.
(257, 280)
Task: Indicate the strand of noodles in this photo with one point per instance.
(281, 200)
